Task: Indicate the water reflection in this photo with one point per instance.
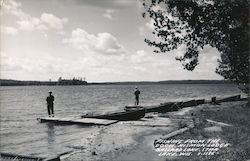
(50, 133)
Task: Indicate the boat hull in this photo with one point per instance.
(162, 108)
(121, 116)
(133, 108)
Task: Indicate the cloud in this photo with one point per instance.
(108, 14)
(11, 7)
(147, 28)
(45, 22)
(103, 43)
(49, 66)
(26, 68)
(8, 30)
(60, 32)
(118, 4)
(9, 64)
(140, 57)
(30, 24)
(27, 22)
(108, 43)
(53, 21)
(10, 67)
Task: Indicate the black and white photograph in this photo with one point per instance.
(124, 80)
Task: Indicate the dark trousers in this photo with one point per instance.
(136, 100)
(50, 109)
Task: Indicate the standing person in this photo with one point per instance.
(50, 104)
(137, 93)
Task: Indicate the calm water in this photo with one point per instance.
(21, 133)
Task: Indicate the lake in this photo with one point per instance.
(21, 133)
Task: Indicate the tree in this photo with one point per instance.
(223, 24)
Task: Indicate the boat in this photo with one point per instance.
(162, 108)
(200, 101)
(229, 99)
(133, 108)
(189, 103)
(120, 116)
(176, 106)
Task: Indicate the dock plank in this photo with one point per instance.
(95, 121)
(82, 121)
(48, 119)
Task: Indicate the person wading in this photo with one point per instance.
(137, 93)
(50, 104)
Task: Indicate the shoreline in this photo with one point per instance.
(10, 82)
(133, 140)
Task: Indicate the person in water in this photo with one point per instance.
(137, 93)
(50, 104)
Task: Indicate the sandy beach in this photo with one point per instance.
(134, 140)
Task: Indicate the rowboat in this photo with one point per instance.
(121, 116)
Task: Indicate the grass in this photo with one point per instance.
(236, 114)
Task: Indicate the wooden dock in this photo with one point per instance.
(126, 116)
(77, 121)
(12, 157)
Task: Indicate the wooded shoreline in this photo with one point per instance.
(9, 82)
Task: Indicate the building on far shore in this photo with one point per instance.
(74, 81)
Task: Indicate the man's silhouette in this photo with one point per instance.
(137, 93)
(50, 104)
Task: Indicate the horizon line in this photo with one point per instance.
(129, 81)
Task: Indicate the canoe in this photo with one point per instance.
(120, 116)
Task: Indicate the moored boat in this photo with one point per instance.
(133, 108)
(189, 103)
(121, 116)
(162, 108)
(229, 99)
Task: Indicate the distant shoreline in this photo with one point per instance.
(9, 82)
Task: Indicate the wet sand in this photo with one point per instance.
(122, 139)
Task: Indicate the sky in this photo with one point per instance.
(101, 40)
